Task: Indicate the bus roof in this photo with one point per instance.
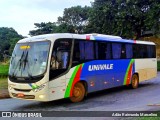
(94, 36)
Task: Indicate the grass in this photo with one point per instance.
(149, 118)
(4, 69)
(3, 83)
(3, 74)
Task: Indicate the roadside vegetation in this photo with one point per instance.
(158, 66)
(4, 67)
(4, 70)
(3, 83)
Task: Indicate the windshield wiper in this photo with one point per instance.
(19, 62)
(25, 60)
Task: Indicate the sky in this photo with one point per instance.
(22, 14)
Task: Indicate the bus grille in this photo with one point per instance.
(22, 90)
(24, 97)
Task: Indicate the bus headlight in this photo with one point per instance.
(39, 88)
(41, 96)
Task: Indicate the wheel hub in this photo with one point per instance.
(76, 92)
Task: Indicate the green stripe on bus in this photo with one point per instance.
(126, 75)
(67, 93)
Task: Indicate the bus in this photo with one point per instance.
(64, 65)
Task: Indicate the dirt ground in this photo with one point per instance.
(4, 94)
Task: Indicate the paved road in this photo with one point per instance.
(119, 99)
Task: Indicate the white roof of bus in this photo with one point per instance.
(55, 36)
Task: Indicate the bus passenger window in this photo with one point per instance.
(151, 51)
(102, 49)
(116, 50)
(108, 51)
(76, 53)
(143, 51)
(129, 51)
(89, 50)
(86, 50)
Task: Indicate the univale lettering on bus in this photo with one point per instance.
(64, 65)
(100, 67)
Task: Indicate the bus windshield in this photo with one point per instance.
(29, 59)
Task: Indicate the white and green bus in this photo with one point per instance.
(57, 66)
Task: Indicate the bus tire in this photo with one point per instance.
(134, 81)
(78, 92)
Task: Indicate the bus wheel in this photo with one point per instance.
(78, 92)
(135, 81)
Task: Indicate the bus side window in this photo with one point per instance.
(102, 46)
(142, 51)
(135, 51)
(89, 50)
(129, 51)
(83, 51)
(76, 52)
(123, 52)
(151, 51)
(116, 50)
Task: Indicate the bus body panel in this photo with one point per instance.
(101, 74)
(30, 91)
(146, 68)
(57, 88)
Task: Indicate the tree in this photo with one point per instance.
(43, 28)
(7, 35)
(75, 18)
(126, 18)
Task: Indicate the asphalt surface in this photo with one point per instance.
(144, 98)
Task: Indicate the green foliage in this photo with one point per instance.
(43, 28)
(126, 18)
(74, 19)
(8, 38)
(4, 70)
